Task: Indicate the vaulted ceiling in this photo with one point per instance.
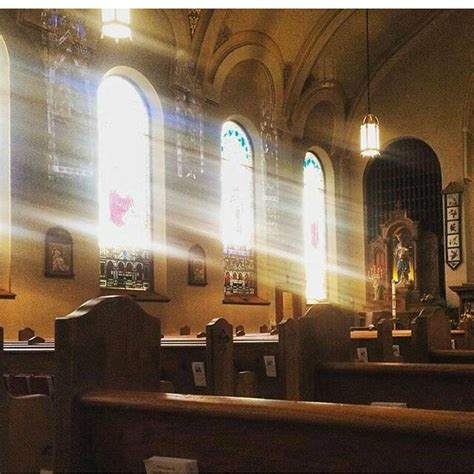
(308, 45)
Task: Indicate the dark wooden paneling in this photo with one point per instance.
(430, 386)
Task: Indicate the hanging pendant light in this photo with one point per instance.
(116, 23)
(369, 130)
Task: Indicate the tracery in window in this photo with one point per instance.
(124, 186)
(315, 245)
(238, 211)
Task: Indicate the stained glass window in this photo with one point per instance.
(237, 211)
(5, 195)
(124, 186)
(315, 246)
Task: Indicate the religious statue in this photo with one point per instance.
(401, 254)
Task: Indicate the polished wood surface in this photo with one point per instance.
(348, 416)
(228, 434)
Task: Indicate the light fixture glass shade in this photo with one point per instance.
(369, 137)
(116, 23)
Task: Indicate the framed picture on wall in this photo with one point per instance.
(452, 224)
(58, 253)
(197, 268)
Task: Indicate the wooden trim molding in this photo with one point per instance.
(245, 299)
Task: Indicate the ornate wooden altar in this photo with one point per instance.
(406, 256)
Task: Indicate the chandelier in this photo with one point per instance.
(369, 130)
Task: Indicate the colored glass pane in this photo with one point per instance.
(237, 210)
(315, 253)
(124, 185)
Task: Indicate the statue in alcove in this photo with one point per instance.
(403, 258)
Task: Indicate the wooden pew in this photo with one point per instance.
(427, 386)
(329, 375)
(248, 352)
(431, 339)
(227, 434)
(380, 348)
(109, 343)
(115, 429)
(385, 341)
(468, 327)
(224, 379)
(25, 430)
(177, 355)
(20, 358)
(324, 335)
(408, 348)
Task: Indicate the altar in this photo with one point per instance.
(402, 269)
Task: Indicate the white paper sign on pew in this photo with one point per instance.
(270, 366)
(362, 355)
(396, 350)
(199, 374)
(159, 464)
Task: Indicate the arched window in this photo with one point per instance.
(238, 211)
(5, 207)
(315, 242)
(124, 186)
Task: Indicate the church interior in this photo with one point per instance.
(271, 205)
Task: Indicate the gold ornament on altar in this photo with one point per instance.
(376, 274)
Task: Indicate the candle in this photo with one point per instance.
(394, 300)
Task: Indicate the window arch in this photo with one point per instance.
(238, 211)
(125, 227)
(315, 229)
(5, 195)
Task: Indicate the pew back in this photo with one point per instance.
(430, 330)
(220, 357)
(108, 342)
(324, 335)
(468, 326)
(428, 386)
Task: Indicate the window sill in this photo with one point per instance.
(245, 299)
(6, 295)
(140, 297)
